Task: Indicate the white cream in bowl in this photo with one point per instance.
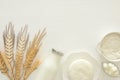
(80, 66)
(111, 69)
(109, 46)
(80, 70)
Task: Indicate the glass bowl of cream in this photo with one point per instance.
(109, 50)
(80, 66)
(109, 47)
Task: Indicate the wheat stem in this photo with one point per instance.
(21, 45)
(3, 67)
(33, 50)
(14, 66)
(8, 37)
(33, 67)
(9, 67)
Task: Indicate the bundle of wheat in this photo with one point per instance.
(19, 64)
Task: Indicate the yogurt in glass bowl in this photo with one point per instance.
(80, 66)
(109, 50)
(109, 47)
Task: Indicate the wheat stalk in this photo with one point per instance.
(6, 61)
(21, 45)
(33, 67)
(19, 69)
(8, 37)
(8, 65)
(3, 67)
(33, 49)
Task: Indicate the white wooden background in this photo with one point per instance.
(72, 25)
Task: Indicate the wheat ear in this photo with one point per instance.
(21, 46)
(3, 67)
(33, 49)
(8, 37)
(33, 67)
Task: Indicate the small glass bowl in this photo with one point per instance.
(75, 58)
(109, 47)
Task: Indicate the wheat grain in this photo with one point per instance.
(8, 37)
(8, 65)
(21, 45)
(3, 55)
(33, 49)
(19, 69)
(3, 67)
(33, 67)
